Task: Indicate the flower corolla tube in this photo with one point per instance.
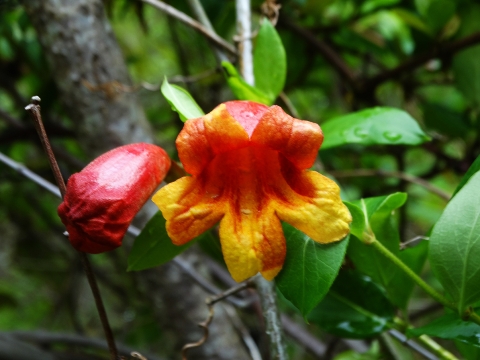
(103, 198)
(249, 171)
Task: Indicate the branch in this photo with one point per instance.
(46, 338)
(200, 14)
(245, 47)
(212, 36)
(407, 177)
(34, 109)
(324, 49)
(438, 51)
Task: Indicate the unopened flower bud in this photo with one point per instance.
(104, 197)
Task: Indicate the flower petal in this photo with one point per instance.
(298, 140)
(315, 208)
(189, 211)
(252, 242)
(203, 138)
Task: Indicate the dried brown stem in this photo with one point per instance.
(34, 109)
(438, 51)
(323, 48)
(407, 177)
(171, 11)
(210, 302)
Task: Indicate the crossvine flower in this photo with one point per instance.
(103, 198)
(249, 171)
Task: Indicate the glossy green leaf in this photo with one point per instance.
(450, 326)
(240, 88)
(465, 65)
(153, 247)
(355, 307)
(181, 101)
(375, 126)
(269, 61)
(376, 219)
(474, 168)
(309, 269)
(455, 246)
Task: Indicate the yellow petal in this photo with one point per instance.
(189, 211)
(322, 214)
(252, 242)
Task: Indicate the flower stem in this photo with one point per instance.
(418, 280)
(436, 348)
(34, 109)
(469, 314)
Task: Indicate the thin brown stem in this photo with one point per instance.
(210, 35)
(438, 51)
(330, 55)
(407, 177)
(210, 303)
(34, 109)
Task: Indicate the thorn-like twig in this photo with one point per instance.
(34, 109)
(211, 301)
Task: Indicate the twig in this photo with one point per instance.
(202, 17)
(411, 344)
(244, 332)
(34, 109)
(323, 48)
(171, 11)
(244, 32)
(47, 338)
(210, 302)
(407, 177)
(204, 325)
(30, 175)
(288, 103)
(413, 240)
(438, 51)
(268, 299)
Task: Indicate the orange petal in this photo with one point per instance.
(189, 211)
(252, 242)
(298, 140)
(201, 139)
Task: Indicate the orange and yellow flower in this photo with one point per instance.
(249, 171)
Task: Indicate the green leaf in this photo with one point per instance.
(450, 326)
(153, 247)
(269, 61)
(355, 307)
(455, 246)
(241, 89)
(309, 269)
(375, 219)
(181, 101)
(475, 167)
(375, 126)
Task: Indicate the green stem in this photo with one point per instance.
(425, 340)
(436, 348)
(431, 291)
(419, 281)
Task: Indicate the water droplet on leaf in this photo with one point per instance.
(392, 136)
(360, 132)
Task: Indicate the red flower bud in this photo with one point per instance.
(104, 197)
